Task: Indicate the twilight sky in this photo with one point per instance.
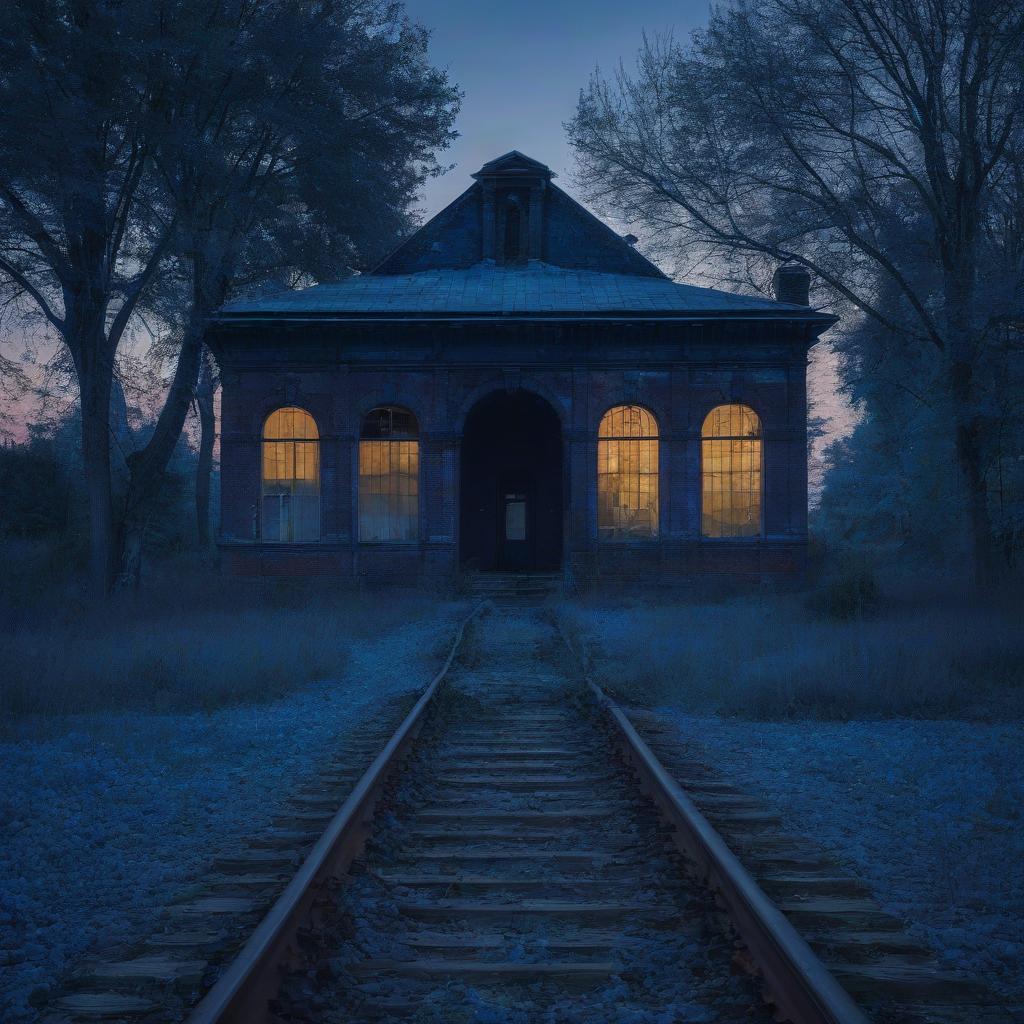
(521, 66)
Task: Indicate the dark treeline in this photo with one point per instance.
(157, 156)
(880, 143)
(43, 482)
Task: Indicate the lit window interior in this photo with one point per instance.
(627, 474)
(389, 472)
(290, 504)
(731, 473)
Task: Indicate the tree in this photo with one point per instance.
(206, 390)
(196, 146)
(832, 135)
(300, 138)
(82, 234)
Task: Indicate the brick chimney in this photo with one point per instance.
(792, 283)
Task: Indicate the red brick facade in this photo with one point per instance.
(339, 363)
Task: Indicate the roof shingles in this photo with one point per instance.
(536, 288)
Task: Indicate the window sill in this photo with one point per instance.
(733, 540)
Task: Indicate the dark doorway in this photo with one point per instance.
(510, 515)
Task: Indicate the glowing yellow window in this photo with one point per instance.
(290, 499)
(627, 474)
(389, 475)
(731, 473)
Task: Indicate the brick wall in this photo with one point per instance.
(440, 393)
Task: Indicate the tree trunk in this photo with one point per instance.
(961, 355)
(146, 467)
(204, 468)
(980, 546)
(94, 391)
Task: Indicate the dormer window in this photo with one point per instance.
(515, 215)
(512, 208)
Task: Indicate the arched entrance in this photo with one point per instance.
(510, 511)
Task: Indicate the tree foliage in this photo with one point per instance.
(877, 142)
(156, 155)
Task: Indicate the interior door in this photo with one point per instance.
(515, 539)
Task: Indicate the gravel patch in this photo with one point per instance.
(104, 816)
(928, 813)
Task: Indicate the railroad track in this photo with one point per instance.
(520, 873)
(531, 858)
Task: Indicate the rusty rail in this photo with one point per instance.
(796, 981)
(243, 992)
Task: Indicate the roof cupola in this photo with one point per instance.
(513, 195)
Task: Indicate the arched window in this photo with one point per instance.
(290, 504)
(731, 473)
(627, 474)
(389, 476)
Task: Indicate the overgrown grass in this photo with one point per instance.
(841, 651)
(189, 639)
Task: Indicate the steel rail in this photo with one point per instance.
(796, 981)
(242, 994)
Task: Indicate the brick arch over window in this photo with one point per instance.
(732, 476)
(627, 474)
(389, 473)
(290, 477)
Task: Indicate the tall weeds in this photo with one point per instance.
(778, 656)
(189, 639)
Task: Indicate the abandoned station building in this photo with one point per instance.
(515, 388)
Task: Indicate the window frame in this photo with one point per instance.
(388, 438)
(751, 538)
(264, 440)
(655, 535)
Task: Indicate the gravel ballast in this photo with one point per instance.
(928, 813)
(106, 816)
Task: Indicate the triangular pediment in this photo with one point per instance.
(514, 162)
